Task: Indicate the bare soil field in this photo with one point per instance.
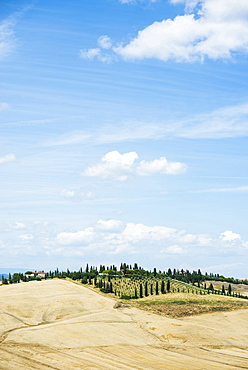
(56, 324)
(237, 288)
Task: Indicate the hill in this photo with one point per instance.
(55, 324)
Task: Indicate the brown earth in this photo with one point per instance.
(236, 288)
(56, 324)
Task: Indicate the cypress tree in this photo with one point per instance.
(168, 286)
(229, 289)
(223, 289)
(146, 289)
(157, 292)
(151, 289)
(141, 290)
(211, 287)
(162, 287)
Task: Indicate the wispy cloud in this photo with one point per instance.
(7, 32)
(8, 158)
(137, 1)
(122, 166)
(240, 189)
(222, 123)
(4, 106)
(7, 36)
(77, 194)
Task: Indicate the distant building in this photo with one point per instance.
(35, 274)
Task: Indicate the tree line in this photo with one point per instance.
(124, 270)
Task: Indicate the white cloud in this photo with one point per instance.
(110, 225)
(115, 237)
(18, 225)
(173, 249)
(229, 236)
(12, 226)
(215, 29)
(89, 53)
(160, 166)
(80, 237)
(4, 106)
(7, 158)
(121, 240)
(137, 232)
(121, 166)
(105, 42)
(113, 164)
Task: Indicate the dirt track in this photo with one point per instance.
(59, 325)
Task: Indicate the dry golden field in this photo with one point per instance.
(56, 324)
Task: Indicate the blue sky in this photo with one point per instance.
(124, 134)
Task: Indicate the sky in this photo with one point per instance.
(124, 129)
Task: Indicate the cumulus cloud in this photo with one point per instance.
(115, 237)
(229, 236)
(121, 166)
(160, 166)
(213, 29)
(89, 53)
(7, 158)
(95, 53)
(110, 225)
(105, 42)
(80, 237)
